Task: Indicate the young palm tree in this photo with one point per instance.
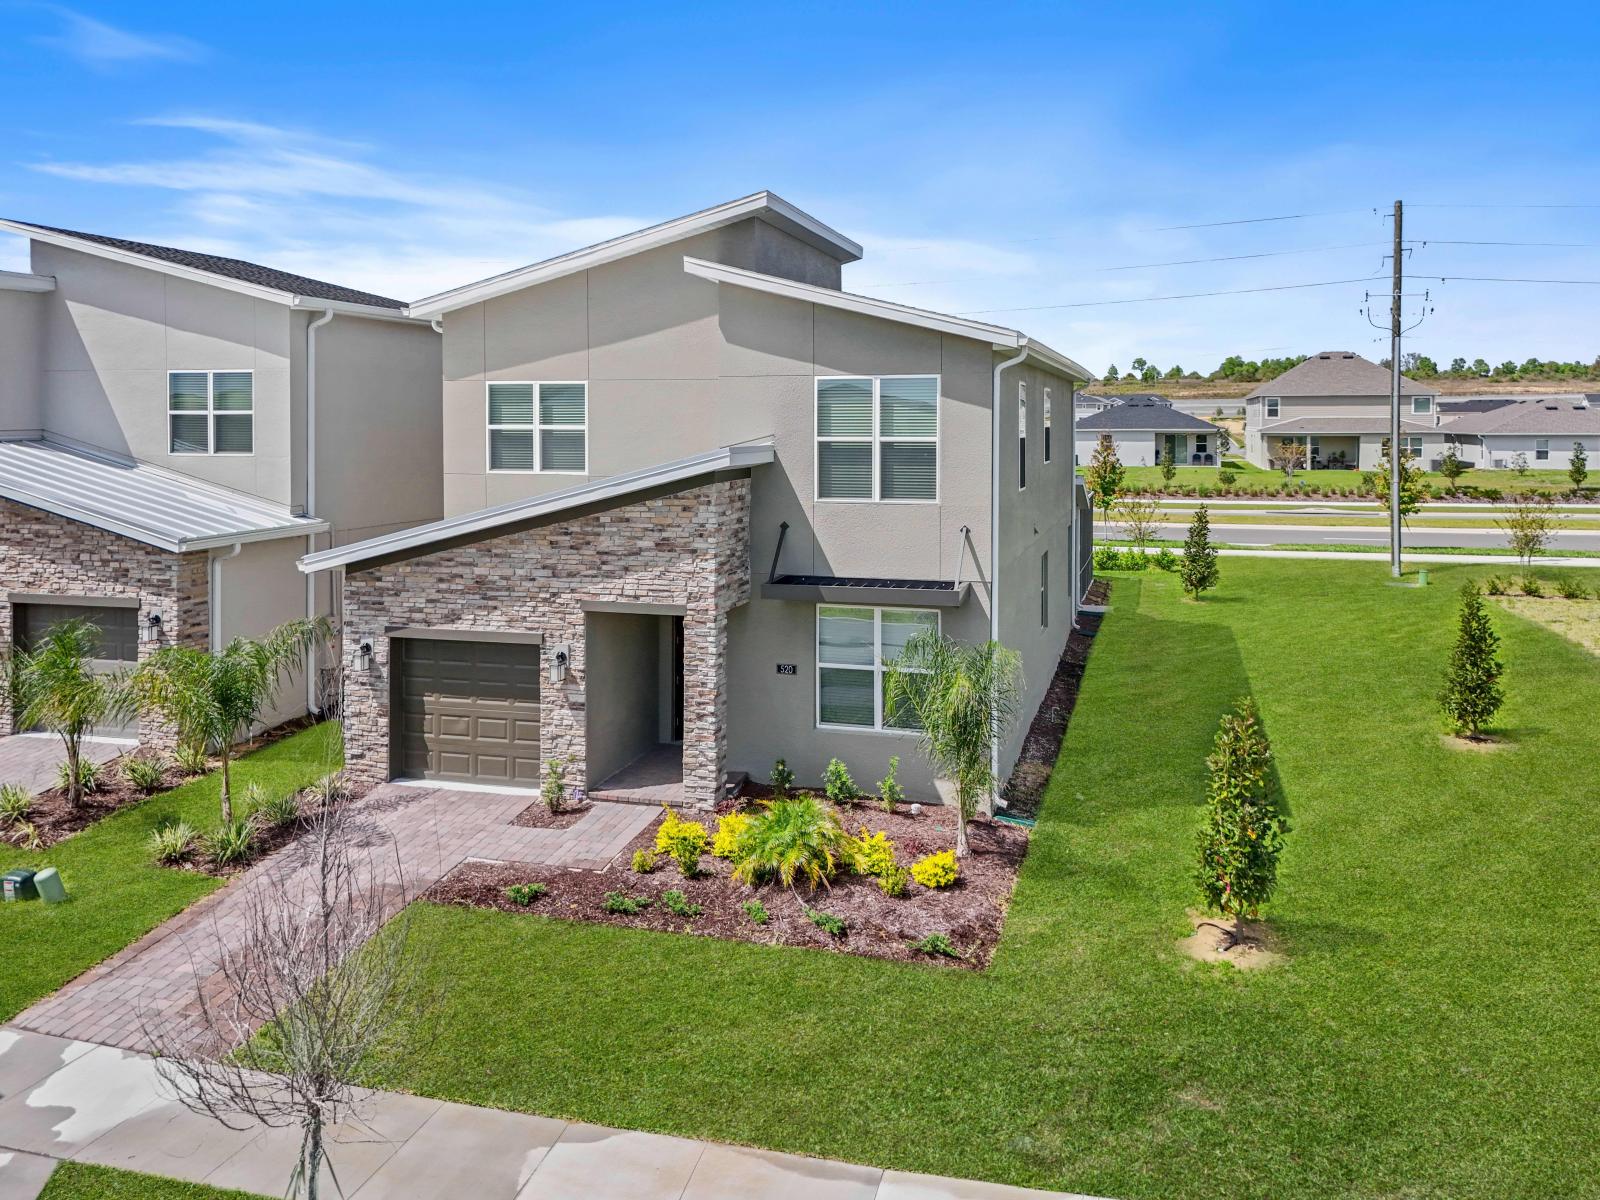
(963, 697)
(54, 685)
(213, 699)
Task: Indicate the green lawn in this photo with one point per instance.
(117, 894)
(81, 1181)
(1432, 1034)
(1252, 476)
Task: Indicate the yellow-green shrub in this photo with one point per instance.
(730, 829)
(874, 852)
(681, 838)
(936, 870)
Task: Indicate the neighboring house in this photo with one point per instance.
(1337, 406)
(158, 471)
(695, 497)
(1147, 431)
(1460, 406)
(1542, 429)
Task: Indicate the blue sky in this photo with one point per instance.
(992, 158)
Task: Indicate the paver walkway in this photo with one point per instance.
(33, 759)
(417, 834)
(67, 1099)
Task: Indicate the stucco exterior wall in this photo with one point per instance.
(1135, 448)
(623, 700)
(21, 338)
(261, 589)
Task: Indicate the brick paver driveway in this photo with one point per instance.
(33, 759)
(427, 832)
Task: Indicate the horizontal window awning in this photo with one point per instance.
(862, 589)
(139, 501)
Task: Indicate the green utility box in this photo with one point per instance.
(18, 885)
(49, 886)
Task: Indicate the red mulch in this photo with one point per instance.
(1025, 789)
(537, 816)
(971, 912)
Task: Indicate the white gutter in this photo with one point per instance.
(311, 492)
(994, 550)
(214, 601)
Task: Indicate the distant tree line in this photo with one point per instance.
(1237, 369)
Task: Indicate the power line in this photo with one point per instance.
(1459, 242)
(1504, 279)
(1505, 206)
(1252, 220)
(1282, 287)
(1184, 262)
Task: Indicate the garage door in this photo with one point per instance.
(119, 641)
(467, 711)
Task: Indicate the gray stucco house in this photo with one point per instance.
(1145, 431)
(178, 429)
(695, 496)
(1542, 430)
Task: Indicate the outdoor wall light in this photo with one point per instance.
(150, 631)
(558, 664)
(364, 656)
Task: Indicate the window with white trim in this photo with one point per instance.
(1044, 590)
(1421, 406)
(1047, 424)
(1411, 444)
(1270, 406)
(539, 427)
(1022, 436)
(1541, 450)
(854, 644)
(210, 412)
(878, 438)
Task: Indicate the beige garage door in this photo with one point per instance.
(467, 711)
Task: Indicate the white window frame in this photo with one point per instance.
(876, 669)
(1270, 407)
(537, 427)
(875, 440)
(1426, 409)
(1022, 436)
(210, 413)
(1200, 445)
(1541, 450)
(1406, 440)
(1044, 590)
(1046, 424)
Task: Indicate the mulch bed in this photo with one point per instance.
(1025, 789)
(971, 912)
(54, 818)
(538, 816)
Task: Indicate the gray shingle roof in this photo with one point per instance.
(1572, 416)
(1335, 373)
(1144, 413)
(230, 268)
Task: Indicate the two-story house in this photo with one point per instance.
(1336, 407)
(696, 497)
(177, 429)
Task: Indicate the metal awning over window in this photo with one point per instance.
(855, 589)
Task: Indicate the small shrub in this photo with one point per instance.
(890, 792)
(172, 843)
(233, 842)
(1569, 588)
(328, 791)
(277, 811)
(190, 759)
(800, 838)
(1107, 558)
(827, 922)
(526, 893)
(1497, 585)
(730, 829)
(644, 861)
(1492, 494)
(26, 835)
(936, 944)
(1530, 586)
(684, 841)
(756, 911)
(90, 776)
(837, 784)
(1166, 560)
(1369, 482)
(554, 789)
(782, 779)
(936, 870)
(621, 902)
(15, 801)
(874, 853)
(142, 774)
(676, 903)
(1226, 477)
(894, 881)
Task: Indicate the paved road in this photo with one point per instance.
(1347, 535)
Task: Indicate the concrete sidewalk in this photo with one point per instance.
(62, 1099)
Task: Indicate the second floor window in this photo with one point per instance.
(1421, 405)
(540, 427)
(210, 412)
(878, 438)
(1271, 403)
(1022, 436)
(1047, 424)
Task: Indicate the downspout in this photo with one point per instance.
(216, 594)
(994, 549)
(311, 492)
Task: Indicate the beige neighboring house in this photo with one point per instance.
(696, 496)
(177, 429)
(1336, 406)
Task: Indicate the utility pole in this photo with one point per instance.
(1395, 458)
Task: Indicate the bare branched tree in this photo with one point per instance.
(321, 973)
(1140, 519)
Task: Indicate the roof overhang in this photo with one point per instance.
(487, 522)
(998, 336)
(770, 208)
(828, 589)
(23, 281)
(178, 271)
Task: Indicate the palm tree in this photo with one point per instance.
(54, 686)
(963, 697)
(213, 699)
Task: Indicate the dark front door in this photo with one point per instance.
(467, 712)
(118, 649)
(677, 679)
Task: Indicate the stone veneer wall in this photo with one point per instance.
(43, 553)
(690, 548)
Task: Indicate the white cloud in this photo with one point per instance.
(101, 45)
